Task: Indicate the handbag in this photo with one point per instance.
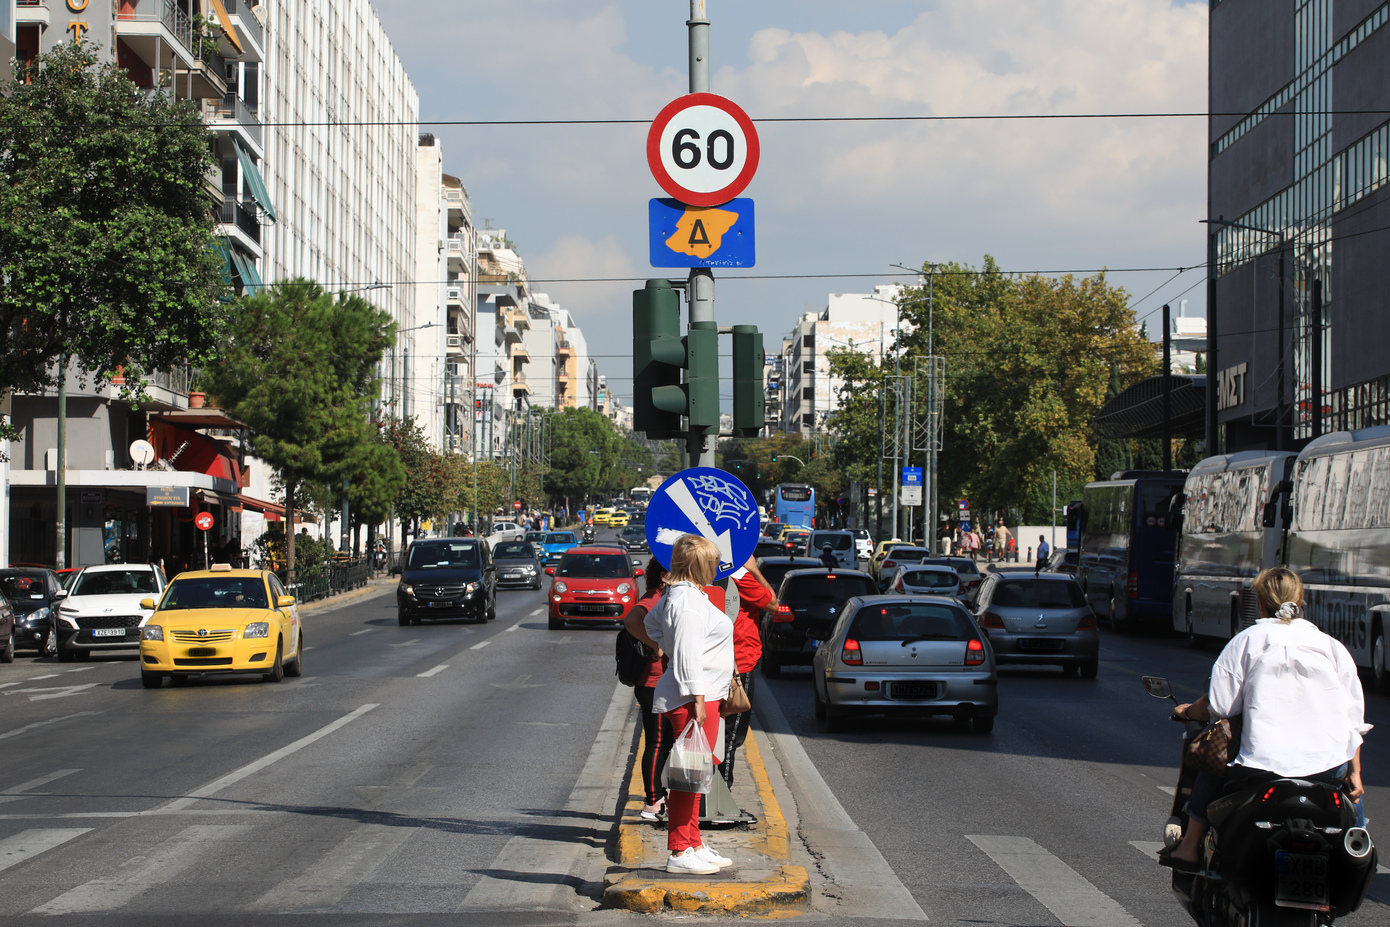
(1214, 747)
(632, 657)
(737, 701)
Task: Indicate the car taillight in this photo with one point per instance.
(974, 653)
(851, 653)
(890, 563)
(784, 613)
(991, 620)
(1087, 622)
(1134, 585)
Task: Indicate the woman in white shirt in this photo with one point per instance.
(1297, 692)
(698, 639)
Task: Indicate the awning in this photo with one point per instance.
(254, 180)
(226, 22)
(273, 510)
(1138, 411)
(199, 418)
(246, 270)
(224, 250)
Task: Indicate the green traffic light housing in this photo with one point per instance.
(749, 396)
(659, 354)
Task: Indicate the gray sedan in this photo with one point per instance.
(1039, 618)
(518, 564)
(905, 655)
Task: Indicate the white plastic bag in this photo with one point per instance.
(690, 765)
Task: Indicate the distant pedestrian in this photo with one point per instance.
(1044, 551)
(1003, 540)
(656, 729)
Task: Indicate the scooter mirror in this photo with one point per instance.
(1157, 686)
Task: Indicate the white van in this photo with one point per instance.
(841, 545)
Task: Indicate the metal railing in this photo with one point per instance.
(233, 109)
(249, 22)
(174, 19)
(233, 212)
(175, 381)
(319, 581)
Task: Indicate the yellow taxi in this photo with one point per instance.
(880, 553)
(603, 516)
(221, 621)
(618, 519)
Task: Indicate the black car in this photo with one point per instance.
(809, 602)
(768, 547)
(30, 592)
(774, 568)
(633, 537)
(446, 578)
(518, 564)
(6, 631)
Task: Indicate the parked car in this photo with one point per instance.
(897, 556)
(222, 621)
(841, 544)
(104, 608)
(775, 568)
(1039, 618)
(33, 594)
(912, 579)
(808, 603)
(518, 564)
(6, 631)
(446, 578)
(595, 583)
(556, 543)
(633, 538)
(505, 531)
(894, 656)
(966, 569)
(863, 544)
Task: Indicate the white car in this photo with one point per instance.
(505, 531)
(863, 544)
(927, 580)
(101, 609)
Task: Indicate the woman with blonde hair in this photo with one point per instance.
(1296, 690)
(698, 640)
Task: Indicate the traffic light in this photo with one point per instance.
(749, 400)
(774, 458)
(659, 354)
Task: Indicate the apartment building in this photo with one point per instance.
(503, 295)
(7, 47)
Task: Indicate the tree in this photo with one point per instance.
(299, 370)
(429, 477)
(106, 237)
(584, 449)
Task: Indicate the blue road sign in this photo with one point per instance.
(964, 525)
(701, 236)
(708, 502)
(912, 476)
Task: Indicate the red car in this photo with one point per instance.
(592, 583)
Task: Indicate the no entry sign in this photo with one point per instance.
(703, 149)
(203, 521)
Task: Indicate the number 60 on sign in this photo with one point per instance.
(703, 149)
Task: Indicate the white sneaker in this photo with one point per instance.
(713, 858)
(689, 862)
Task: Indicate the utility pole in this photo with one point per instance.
(699, 293)
(1167, 392)
(61, 465)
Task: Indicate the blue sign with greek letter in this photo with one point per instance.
(707, 502)
(702, 236)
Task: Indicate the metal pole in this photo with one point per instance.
(699, 47)
(1280, 422)
(700, 292)
(61, 464)
(1167, 392)
(1053, 541)
(1213, 443)
(932, 423)
(1317, 352)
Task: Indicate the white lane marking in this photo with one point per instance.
(518, 683)
(1167, 790)
(432, 672)
(48, 676)
(545, 723)
(1149, 848)
(6, 685)
(236, 775)
(513, 627)
(29, 727)
(405, 643)
(537, 613)
(327, 881)
(1057, 887)
(29, 843)
(480, 645)
(48, 692)
(143, 872)
(16, 793)
(363, 631)
(80, 669)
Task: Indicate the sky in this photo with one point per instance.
(838, 203)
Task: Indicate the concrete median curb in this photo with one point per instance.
(762, 883)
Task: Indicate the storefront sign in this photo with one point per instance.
(91, 498)
(167, 495)
(1230, 387)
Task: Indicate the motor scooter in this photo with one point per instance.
(1278, 851)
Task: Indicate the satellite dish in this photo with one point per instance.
(142, 452)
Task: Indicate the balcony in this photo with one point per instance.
(156, 28)
(519, 385)
(454, 345)
(455, 248)
(510, 335)
(241, 217)
(520, 353)
(206, 78)
(29, 12)
(232, 112)
(454, 295)
(248, 27)
(457, 204)
(517, 317)
(563, 347)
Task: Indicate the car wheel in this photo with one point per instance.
(772, 668)
(402, 618)
(7, 655)
(295, 668)
(1380, 656)
(557, 624)
(151, 680)
(65, 655)
(819, 705)
(835, 720)
(50, 643)
(277, 669)
(981, 724)
(1090, 669)
(492, 610)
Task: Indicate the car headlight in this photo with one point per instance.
(37, 615)
(560, 586)
(151, 632)
(408, 590)
(68, 615)
(257, 629)
(624, 588)
(471, 588)
(529, 569)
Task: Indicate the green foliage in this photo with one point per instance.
(425, 491)
(106, 236)
(585, 450)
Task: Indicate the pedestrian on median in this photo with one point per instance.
(699, 642)
(1044, 551)
(656, 730)
(755, 596)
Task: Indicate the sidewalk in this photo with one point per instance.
(374, 587)
(760, 882)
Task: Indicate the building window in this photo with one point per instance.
(808, 341)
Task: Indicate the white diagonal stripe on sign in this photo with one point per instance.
(327, 881)
(1057, 887)
(685, 501)
(30, 843)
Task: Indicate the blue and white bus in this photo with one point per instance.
(1128, 540)
(794, 504)
(1232, 528)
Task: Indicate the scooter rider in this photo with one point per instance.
(1297, 691)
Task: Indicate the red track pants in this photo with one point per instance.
(683, 808)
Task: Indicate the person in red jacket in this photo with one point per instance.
(755, 596)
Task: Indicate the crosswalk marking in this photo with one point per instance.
(1061, 889)
(327, 881)
(30, 843)
(16, 793)
(1149, 848)
(142, 873)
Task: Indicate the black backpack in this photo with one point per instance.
(632, 656)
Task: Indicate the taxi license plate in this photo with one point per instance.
(202, 651)
(109, 632)
(592, 609)
(913, 690)
(1301, 881)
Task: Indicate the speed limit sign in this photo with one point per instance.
(703, 149)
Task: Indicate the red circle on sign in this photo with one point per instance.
(688, 144)
(203, 521)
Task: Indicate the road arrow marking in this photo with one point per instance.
(518, 683)
(53, 691)
(564, 640)
(685, 501)
(405, 643)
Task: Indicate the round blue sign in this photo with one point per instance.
(707, 502)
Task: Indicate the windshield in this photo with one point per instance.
(911, 622)
(513, 550)
(826, 587)
(930, 579)
(561, 537)
(537, 536)
(907, 555)
(216, 592)
(1038, 593)
(17, 587)
(451, 556)
(114, 582)
(594, 566)
(835, 541)
(633, 531)
(796, 493)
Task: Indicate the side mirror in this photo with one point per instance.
(284, 601)
(549, 571)
(639, 572)
(60, 594)
(147, 604)
(1157, 686)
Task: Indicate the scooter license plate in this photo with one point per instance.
(1301, 881)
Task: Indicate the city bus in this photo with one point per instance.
(1128, 541)
(1232, 528)
(1339, 541)
(794, 504)
(640, 495)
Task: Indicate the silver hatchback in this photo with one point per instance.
(905, 655)
(1039, 618)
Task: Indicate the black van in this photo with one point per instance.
(446, 578)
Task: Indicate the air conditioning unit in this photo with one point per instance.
(454, 341)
